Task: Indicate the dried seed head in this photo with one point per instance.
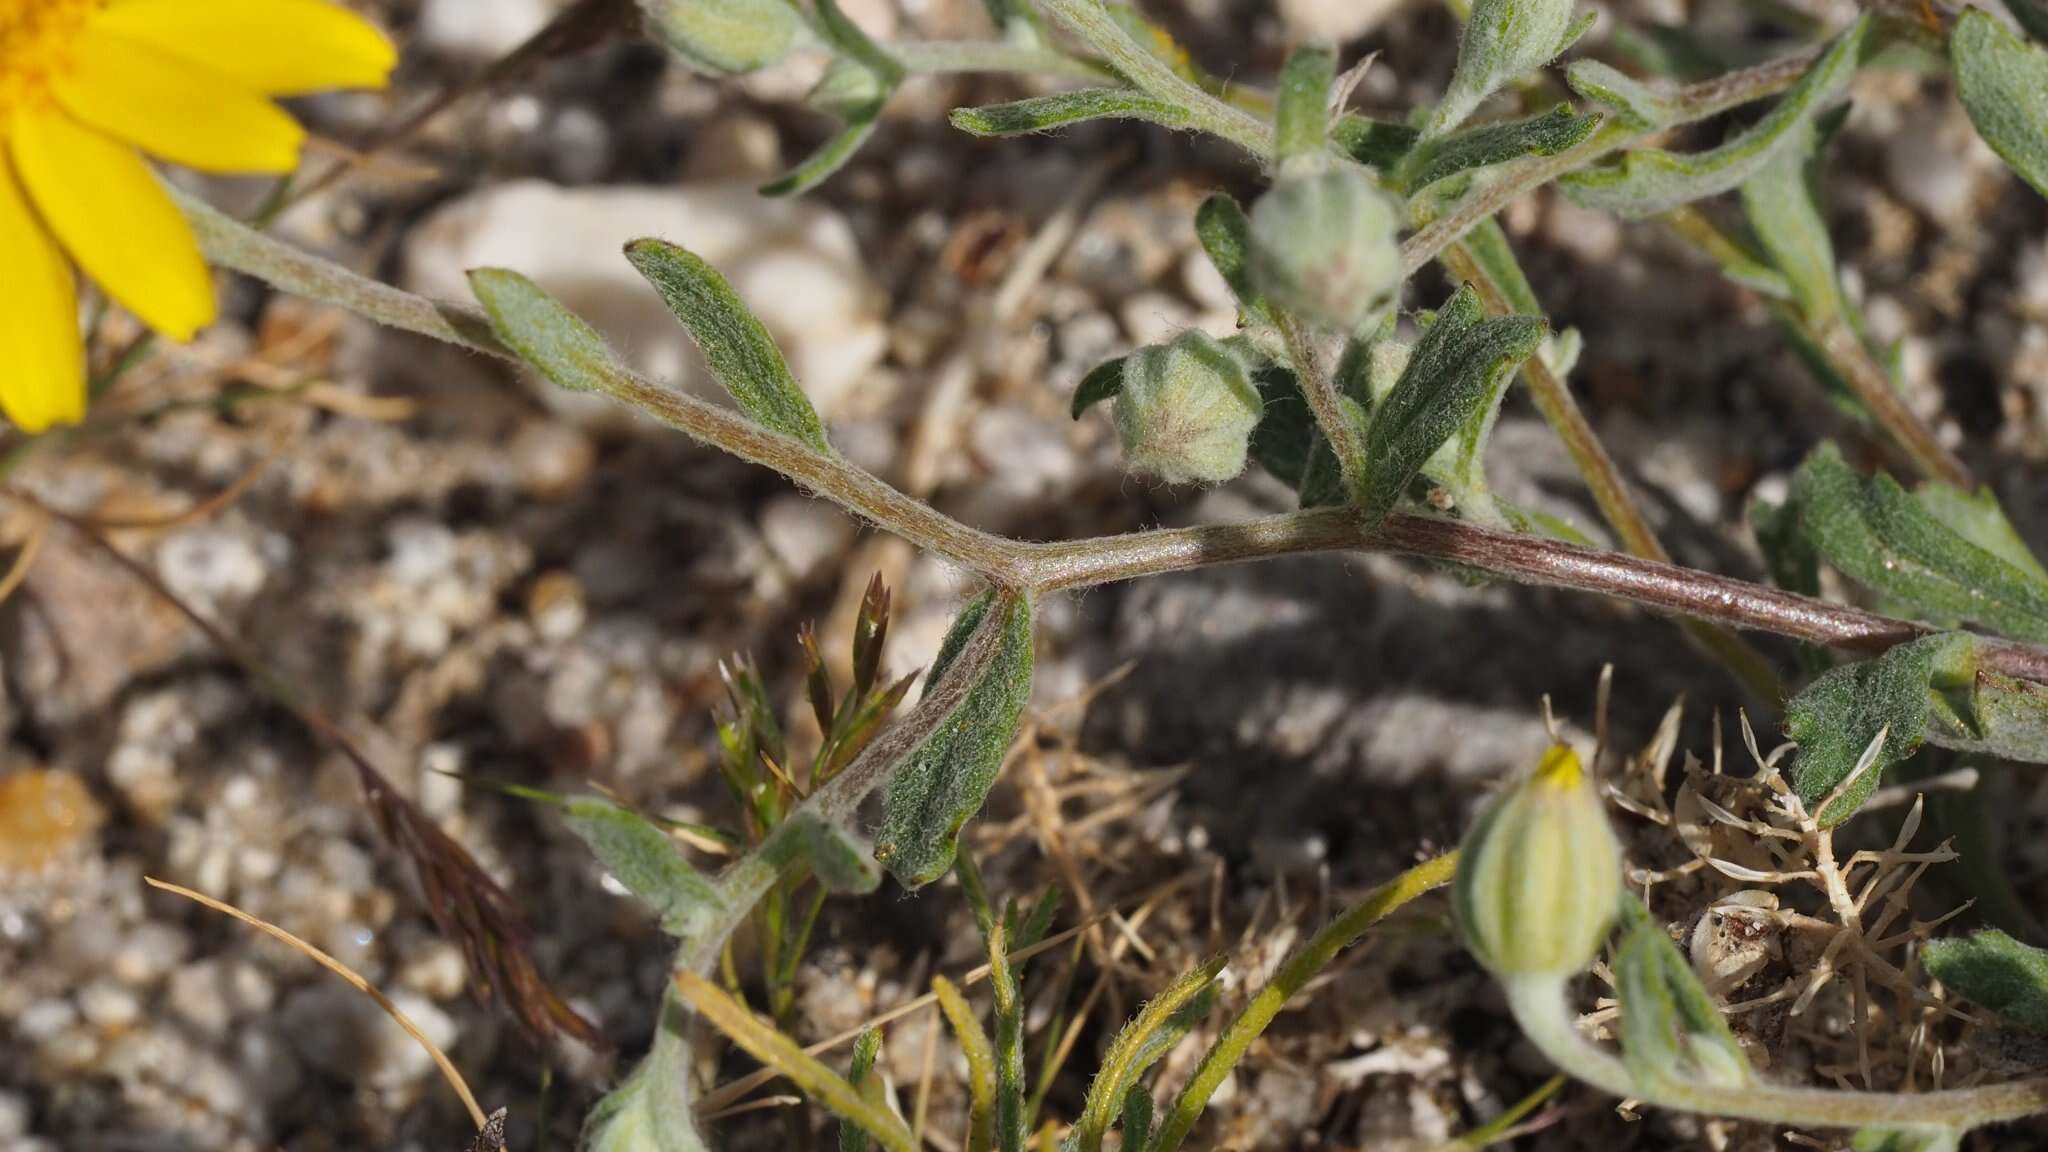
(1187, 410)
(1324, 246)
(1539, 876)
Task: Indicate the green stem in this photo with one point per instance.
(1542, 1009)
(1088, 20)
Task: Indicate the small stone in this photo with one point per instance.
(108, 1006)
(346, 1035)
(14, 1113)
(1334, 20)
(734, 146)
(436, 971)
(149, 951)
(196, 996)
(475, 31)
(1154, 317)
(555, 605)
(804, 533)
(44, 818)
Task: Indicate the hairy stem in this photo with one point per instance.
(1323, 399)
(1610, 492)
(1090, 21)
(1544, 1014)
(1076, 564)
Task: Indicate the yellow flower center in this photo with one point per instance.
(36, 38)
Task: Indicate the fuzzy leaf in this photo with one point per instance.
(1780, 205)
(1891, 543)
(1997, 971)
(1451, 376)
(648, 1112)
(735, 343)
(840, 860)
(1301, 105)
(1837, 718)
(1502, 40)
(946, 779)
(1044, 113)
(1634, 103)
(646, 861)
(1544, 134)
(1976, 517)
(851, 42)
(1789, 554)
(2003, 84)
(1906, 1140)
(1998, 716)
(546, 335)
(1101, 383)
(1671, 1029)
(981, 1064)
(866, 1047)
(1158, 1026)
(1649, 181)
(830, 157)
(1379, 144)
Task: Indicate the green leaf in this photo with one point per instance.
(1101, 383)
(1374, 143)
(1976, 517)
(2001, 717)
(1544, 134)
(735, 343)
(1893, 544)
(1301, 105)
(1789, 555)
(866, 1047)
(1044, 113)
(647, 862)
(851, 42)
(981, 1064)
(1011, 1101)
(1634, 103)
(830, 157)
(841, 861)
(2003, 84)
(1502, 40)
(1650, 181)
(1838, 719)
(1997, 971)
(648, 1112)
(546, 335)
(1137, 1121)
(1779, 202)
(1157, 1027)
(945, 780)
(1453, 375)
(1671, 1029)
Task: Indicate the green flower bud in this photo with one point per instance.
(1187, 410)
(1539, 875)
(1324, 246)
(725, 37)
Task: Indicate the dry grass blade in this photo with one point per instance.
(788, 1059)
(441, 1061)
(25, 559)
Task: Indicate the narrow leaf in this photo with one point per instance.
(1144, 1040)
(1544, 134)
(1906, 1140)
(830, 157)
(1634, 103)
(1649, 181)
(788, 1058)
(852, 42)
(648, 1112)
(1976, 517)
(1997, 971)
(1301, 105)
(1451, 375)
(944, 782)
(647, 862)
(2003, 84)
(1838, 719)
(546, 335)
(1377, 144)
(1502, 40)
(1672, 1032)
(1891, 543)
(1009, 1043)
(1137, 1120)
(735, 343)
(866, 1048)
(1780, 205)
(981, 1064)
(1044, 113)
(840, 860)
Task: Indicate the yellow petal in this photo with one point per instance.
(42, 360)
(280, 47)
(179, 111)
(110, 213)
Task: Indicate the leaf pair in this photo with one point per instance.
(735, 343)
(1672, 1031)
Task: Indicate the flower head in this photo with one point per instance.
(1539, 875)
(86, 88)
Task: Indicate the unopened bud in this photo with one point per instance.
(725, 37)
(1539, 875)
(1325, 247)
(1187, 410)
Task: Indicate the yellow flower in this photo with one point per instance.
(86, 86)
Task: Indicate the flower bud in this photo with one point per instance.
(1324, 246)
(1187, 410)
(1539, 875)
(725, 37)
